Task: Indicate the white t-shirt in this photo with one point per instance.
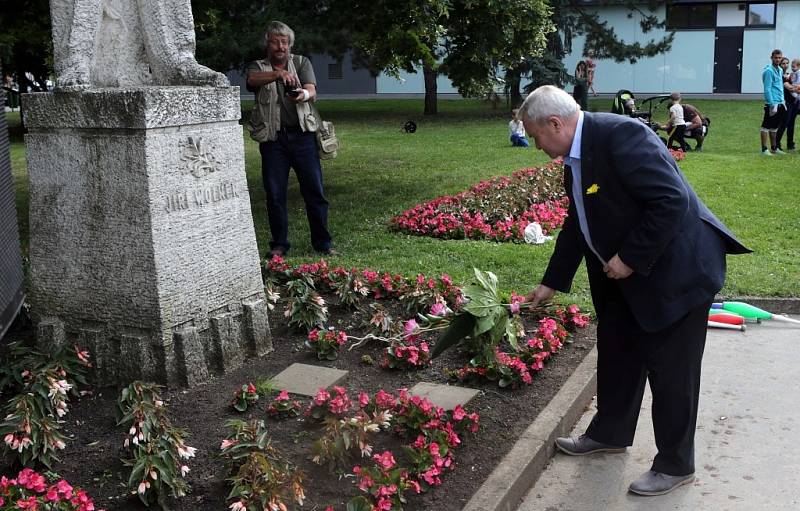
(676, 114)
(516, 128)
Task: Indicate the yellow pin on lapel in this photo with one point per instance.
(592, 189)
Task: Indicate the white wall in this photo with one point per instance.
(758, 45)
(411, 83)
(687, 68)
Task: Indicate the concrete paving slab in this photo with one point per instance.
(747, 448)
(306, 379)
(446, 396)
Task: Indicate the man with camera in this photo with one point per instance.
(284, 124)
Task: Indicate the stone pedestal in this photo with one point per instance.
(142, 247)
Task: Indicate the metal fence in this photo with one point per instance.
(12, 278)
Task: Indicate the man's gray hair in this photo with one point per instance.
(547, 101)
(279, 28)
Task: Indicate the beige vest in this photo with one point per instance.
(265, 121)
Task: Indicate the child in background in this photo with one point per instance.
(676, 126)
(517, 131)
(591, 65)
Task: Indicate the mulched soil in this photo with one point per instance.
(91, 459)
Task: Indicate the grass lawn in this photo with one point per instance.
(382, 171)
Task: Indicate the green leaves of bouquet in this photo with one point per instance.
(483, 322)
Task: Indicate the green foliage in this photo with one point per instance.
(262, 478)
(305, 308)
(35, 386)
(600, 41)
(25, 40)
(155, 446)
(244, 397)
(482, 323)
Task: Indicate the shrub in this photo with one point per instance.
(157, 448)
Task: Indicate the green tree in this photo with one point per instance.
(26, 44)
(572, 19)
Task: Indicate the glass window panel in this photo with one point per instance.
(703, 16)
(678, 16)
(761, 14)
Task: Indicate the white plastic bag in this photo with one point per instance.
(534, 234)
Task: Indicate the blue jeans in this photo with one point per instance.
(519, 141)
(297, 150)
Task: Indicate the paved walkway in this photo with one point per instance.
(747, 442)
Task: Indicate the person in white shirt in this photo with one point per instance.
(516, 131)
(676, 126)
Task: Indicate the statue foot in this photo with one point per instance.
(192, 73)
(73, 80)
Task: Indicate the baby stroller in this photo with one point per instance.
(625, 104)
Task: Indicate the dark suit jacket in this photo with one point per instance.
(643, 209)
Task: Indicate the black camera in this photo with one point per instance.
(293, 93)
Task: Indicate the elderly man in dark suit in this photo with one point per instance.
(655, 256)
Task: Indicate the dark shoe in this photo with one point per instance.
(584, 445)
(277, 251)
(655, 483)
(332, 252)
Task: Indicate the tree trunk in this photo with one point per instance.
(513, 79)
(431, 106)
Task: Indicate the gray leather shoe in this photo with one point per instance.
(584, 445)
(655, 483)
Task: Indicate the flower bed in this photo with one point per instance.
(429, 446)
(497, 209)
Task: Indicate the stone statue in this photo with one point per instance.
(124, 43)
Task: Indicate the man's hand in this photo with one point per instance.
(616, 269)
(541, 294)
(773, 110)
(289, 80)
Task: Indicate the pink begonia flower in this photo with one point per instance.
(51, 495)
(363, 399)
(384, 504)
(410, 327)
(282, 396)
(239, 505)
(251, 389)
(515, 308)
(29, 503)
(385, 459)
(64, 489)
(438, 309)
(458, 413)
(321, 397)
(227, 443)
(366, 483)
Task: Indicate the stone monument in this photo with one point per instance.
(142, 241)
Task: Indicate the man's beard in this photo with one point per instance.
(278, 60)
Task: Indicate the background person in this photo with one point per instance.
(284, 124)
(794, 107)
(591, 68)
(774, 109)
(789, 101)
(655, 256)
(516, 131)
(581, 89)
(696, 125)
(676, 125)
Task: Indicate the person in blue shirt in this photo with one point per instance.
(774, 108)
